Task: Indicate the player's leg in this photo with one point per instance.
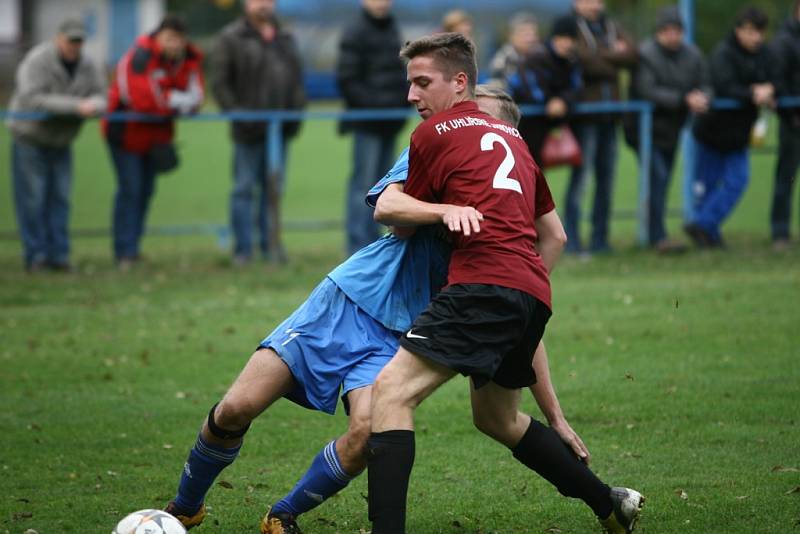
(495, 412)
(263, 380)
(331, 470)
(402, 385)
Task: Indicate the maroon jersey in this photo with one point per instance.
(465, 157)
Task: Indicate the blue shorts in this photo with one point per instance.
(331, 347)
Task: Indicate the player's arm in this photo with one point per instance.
(551, 238)
(396, 208)
(548, 403)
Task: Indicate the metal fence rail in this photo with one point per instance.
(276, 118)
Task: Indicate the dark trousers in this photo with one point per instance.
(598, 142)
(661, 164)
(788, 163)
(135, 186)
(373, 155)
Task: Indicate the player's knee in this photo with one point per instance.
(485, 424)
(388, 390)
(232, 415)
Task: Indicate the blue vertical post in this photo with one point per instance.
(688, 142)
(645, 156)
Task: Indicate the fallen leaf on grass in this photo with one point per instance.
(682, 494)
(781, 469)
(21, 515)
(31, 531)
(742, 497)
(167, 446)
(554, 530)
(112, 473)
(225, 484)
(795, 489)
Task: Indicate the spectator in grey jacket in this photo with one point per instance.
(256, 66)
(56, 79)
(786, 51)
(370, 74)
(673, 76)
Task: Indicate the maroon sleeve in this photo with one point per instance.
(419, 183)
(544, 200)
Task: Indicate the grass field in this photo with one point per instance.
(681, 374)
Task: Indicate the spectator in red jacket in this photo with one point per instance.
(161, 76)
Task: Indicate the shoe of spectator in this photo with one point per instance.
(669, 247)
(60, 266)
(125, 265)
(781, 245)
(279, 524)
(240, 260)
(35, 266)
(627, 506)
(189, 521)
(698, 235)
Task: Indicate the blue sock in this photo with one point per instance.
(205, 462)
(323, 479)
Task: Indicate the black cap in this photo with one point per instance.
(565, 26)
(669, 16)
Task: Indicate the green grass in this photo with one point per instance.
(681, 374)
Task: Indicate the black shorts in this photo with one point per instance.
(486, 332)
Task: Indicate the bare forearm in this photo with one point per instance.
(395, 208)
(543, 390)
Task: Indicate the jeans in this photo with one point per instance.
(598, 142)
(42, 178)
(372, 158)
(135, 187)
(661, 163)
(720, 181)
(250, 195)
(788, 163)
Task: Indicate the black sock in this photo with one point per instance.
(543, 450)
(391, 457)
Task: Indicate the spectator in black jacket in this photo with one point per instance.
(786, 48)
(742, 69)
(673, 76)
(550, 77)
(256, 66)
(370, 75)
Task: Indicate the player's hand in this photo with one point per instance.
(571, 438)
(462, 219)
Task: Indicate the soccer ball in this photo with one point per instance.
(149, 522)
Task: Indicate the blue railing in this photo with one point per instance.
(276, 118)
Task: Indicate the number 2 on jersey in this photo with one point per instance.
(501, 178)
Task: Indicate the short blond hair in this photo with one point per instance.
(508, 110)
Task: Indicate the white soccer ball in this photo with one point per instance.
(149, 522)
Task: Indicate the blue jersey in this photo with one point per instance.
(393, 279)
